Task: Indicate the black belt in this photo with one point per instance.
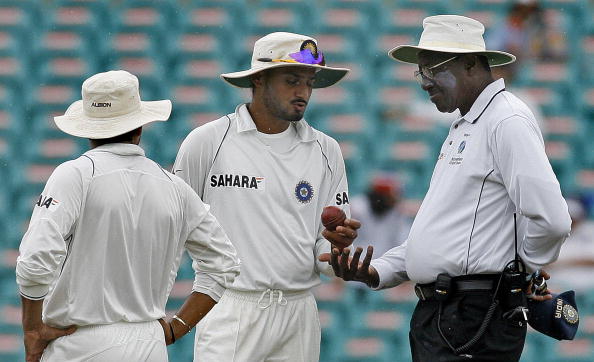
(428, 292)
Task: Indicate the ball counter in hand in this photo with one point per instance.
(332, 217)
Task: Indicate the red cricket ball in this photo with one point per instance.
(332, 217)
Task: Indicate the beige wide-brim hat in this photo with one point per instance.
(287, 50)
(110, 106)
(451, 34)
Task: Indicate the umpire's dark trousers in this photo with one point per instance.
(461, 316)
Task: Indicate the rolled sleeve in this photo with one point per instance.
(41, 252)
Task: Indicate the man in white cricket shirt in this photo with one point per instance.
(267, 175)
(491, 167)
(106, 237)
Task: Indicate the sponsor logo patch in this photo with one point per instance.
(48, 202)
(239, 181)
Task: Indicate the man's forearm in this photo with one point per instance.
(192, 311)
(31, 318)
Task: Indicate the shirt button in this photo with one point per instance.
(456, 126)
(450, 142)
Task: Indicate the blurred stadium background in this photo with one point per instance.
(179, 48)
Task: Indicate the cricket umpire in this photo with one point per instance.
(102, 250)
(462, 254)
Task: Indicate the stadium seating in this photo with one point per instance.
(378, 114)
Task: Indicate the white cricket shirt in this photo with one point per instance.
(268, 202)
(107, 235)
(492, 164)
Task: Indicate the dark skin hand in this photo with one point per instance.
(344, 235)
(37, 335)
(350, 268)
(540, 298)
(192, 311)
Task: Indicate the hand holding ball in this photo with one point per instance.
(332, 217)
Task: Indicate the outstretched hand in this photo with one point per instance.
(36, 340)
(350, 268)
(344, 235)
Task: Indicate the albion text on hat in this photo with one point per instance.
(287, 49)
(110, 106)
(451, 34)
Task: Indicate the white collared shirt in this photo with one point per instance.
(107, 235)
(492, 164)
(268, 202)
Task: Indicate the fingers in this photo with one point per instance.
(354, 266)
(368, 256)
(334, 262)
(338, 239)
(347, 231)
(325, 257)
(51, 333)
(352, 223)
(344, 259)
(363, 271)
(166, 330)
(545, 275)
(541, 298)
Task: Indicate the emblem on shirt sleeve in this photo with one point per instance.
(48, 203)
(304, 192)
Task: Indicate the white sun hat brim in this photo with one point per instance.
(76, 123)
(276, 50)
(325, 76)
(410, 54)
(451, 34)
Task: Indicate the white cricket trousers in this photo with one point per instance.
(260, 326)
(117, 342)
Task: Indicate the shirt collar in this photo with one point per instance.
(122, 149)
(483, 100)
(246, 123)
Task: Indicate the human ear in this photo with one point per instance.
(257, 79)
(470, 61)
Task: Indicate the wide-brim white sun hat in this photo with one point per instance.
(282, 49)
(451, 34)
(110, 106)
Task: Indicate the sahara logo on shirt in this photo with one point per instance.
(48, 202)
(342, 198)
(239, 181)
